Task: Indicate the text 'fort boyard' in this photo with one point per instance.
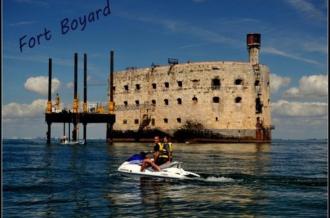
(67, 25)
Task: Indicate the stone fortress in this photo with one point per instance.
(230, 98)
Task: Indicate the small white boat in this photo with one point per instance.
(65, 141)
(171, 170)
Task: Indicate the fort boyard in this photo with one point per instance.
(200, 101)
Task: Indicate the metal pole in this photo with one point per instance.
(109, 125)
(49, 79)
(85, 78)
(69, 132)
(48, 132)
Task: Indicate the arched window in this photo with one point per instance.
(154, 85)
(257, 83)
(238, 82)
(137, 102)
(166, 101)
(216, 99)
(126, 87)
(179, 100)
(195, 99)
(166, 84)
(165, 120)
(215, 84)
(125, 103)
(258, 106)
(238, 100)
(178, 120)
(153, 102)
(137, 86)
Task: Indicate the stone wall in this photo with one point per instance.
(219, 95)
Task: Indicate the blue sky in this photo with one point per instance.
(294, 46)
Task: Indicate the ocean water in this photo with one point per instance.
(282, 179)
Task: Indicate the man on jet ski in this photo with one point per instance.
(161, 155)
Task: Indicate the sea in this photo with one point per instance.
(287, 178)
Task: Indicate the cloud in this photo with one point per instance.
(17, 111)
(275, 51)
(314, 86)
(276, 82)
(22, 23)
(34, 2)
(69, 85)
(299, 109)
(315, 47)
(307, 9)
(39, 84)
(186, 28)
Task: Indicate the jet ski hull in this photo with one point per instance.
(173, 172)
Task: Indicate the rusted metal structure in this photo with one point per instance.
(75, 116)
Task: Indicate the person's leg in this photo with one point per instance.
(155, 166)
(145, 164)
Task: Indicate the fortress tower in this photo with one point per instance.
(225, 97)
(253, 43)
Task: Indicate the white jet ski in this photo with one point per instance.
(171, 170)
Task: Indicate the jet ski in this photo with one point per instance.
(171, 170)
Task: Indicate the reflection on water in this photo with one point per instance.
(237, 180)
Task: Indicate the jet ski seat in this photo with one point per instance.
(170, 164)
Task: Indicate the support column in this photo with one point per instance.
(75, 98)
(111, 103)
(63, 129)
(69, 135)
(85, 132)
(49, 132)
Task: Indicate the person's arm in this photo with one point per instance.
(156, 152)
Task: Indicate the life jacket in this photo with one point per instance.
(164, 150)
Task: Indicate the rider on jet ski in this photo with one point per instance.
(162, 154)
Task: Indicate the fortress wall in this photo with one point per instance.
(226, 116)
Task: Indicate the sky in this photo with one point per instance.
(294, 46)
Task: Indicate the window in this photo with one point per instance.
(216, 119)
(137, 87)
(126, 87)
(258, 106)
(153, 121)
(166, 84)
(257, 83)
(180, 84)
(137, 102)
(195, 100)
(215, 68)
(153, 102)
(125, 103)
(195, 83)
(113, 88)
(178, 120)
(238, 100)
(216, 99)
(166, 101)
(136, 121)
(238, 82)
(124, 121)
(179, 101)
(215, 84)
(165, 120)
(154, 85)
